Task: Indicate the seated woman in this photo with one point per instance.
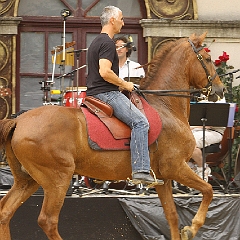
(196, 164)
(212, 135)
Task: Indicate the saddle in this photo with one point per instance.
(107, 132)
(104, 111)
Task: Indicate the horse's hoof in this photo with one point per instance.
(186, 234)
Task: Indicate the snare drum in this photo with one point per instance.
(74, 96)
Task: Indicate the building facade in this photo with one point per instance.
(31, 31)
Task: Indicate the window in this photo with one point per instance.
(42, 29)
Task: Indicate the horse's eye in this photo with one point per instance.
(208, 59)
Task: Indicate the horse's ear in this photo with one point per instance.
(202, 37)
(198, 40)
(192, 37)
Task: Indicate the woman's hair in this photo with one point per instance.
(125, 40)
(108, 12)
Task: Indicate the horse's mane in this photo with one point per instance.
(157, 60)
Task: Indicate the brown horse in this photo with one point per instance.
(47, 145)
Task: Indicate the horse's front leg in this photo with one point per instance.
(166, 197)
(188, 232)
(192, 180)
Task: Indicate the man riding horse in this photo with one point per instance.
(103, 83)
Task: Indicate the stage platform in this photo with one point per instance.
(115, 216)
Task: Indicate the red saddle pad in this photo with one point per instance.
(100, 138)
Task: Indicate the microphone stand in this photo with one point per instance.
(230, 137)
(204, 120)
(128, 67)
(230, 143)
(62, 66)
(66, 74)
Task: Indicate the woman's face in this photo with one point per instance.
(121, 51)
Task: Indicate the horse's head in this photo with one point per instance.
(203, 73)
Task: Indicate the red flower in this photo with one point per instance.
(207, 49)
(236, 109)
(224, 57)
(217, 62)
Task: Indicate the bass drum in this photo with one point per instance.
(74, 96)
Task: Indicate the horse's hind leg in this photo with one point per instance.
(21, 190)
(54, 195)
(24, 186)
(165, 195)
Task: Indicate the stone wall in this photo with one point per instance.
(218, 10)
(220, 18)
(166, 19)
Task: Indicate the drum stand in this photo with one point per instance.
(46, 87)
(77, 52)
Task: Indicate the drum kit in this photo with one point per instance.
(73, 95)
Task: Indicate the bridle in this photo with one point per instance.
(207, 90)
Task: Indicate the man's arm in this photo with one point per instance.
(108, 75)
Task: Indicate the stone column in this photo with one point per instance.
(8, 32)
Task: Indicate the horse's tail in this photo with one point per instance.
(6, 127)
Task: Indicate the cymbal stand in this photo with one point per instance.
(77, 52)
(78, 56)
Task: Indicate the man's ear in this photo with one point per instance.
(112, 20)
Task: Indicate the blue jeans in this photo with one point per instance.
(126, 111)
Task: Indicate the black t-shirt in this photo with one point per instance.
(102, 47)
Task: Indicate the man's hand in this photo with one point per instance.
(127, 86)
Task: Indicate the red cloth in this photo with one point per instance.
(101, 138)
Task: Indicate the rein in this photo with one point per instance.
(168, 92)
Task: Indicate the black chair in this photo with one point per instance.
(217, 154)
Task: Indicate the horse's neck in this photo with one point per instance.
(176, 105)
(173, 74)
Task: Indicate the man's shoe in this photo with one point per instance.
(145, 178)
